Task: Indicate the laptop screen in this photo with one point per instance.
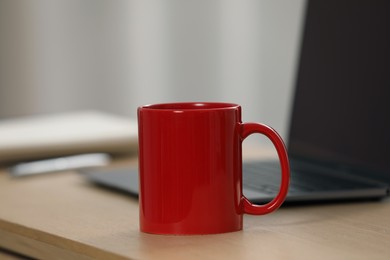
(341, 110)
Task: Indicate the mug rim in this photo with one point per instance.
(190, 106)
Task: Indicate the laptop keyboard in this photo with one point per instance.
(261, 181)
(265, 177)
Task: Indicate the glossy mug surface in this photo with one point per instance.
(190, 167)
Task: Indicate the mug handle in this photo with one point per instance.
(251, 128)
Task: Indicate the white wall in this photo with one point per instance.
(58, 55)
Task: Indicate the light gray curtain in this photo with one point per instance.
(59, 55)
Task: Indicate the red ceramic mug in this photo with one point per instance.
(190, 167)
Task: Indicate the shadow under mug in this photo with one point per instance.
(190, 167)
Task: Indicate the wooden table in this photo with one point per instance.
(64, 217)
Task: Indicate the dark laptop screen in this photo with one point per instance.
(341, 110)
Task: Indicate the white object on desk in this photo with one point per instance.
(64, 134)
(73, 162)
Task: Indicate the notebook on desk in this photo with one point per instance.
(53, 135)
(339, 134)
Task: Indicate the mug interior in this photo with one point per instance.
(191, 106)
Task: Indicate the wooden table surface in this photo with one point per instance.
(62, 216)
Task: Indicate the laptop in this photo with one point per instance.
(339, 135)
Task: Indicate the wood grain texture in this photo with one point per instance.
(62, 216)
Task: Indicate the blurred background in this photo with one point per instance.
(115, 55)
